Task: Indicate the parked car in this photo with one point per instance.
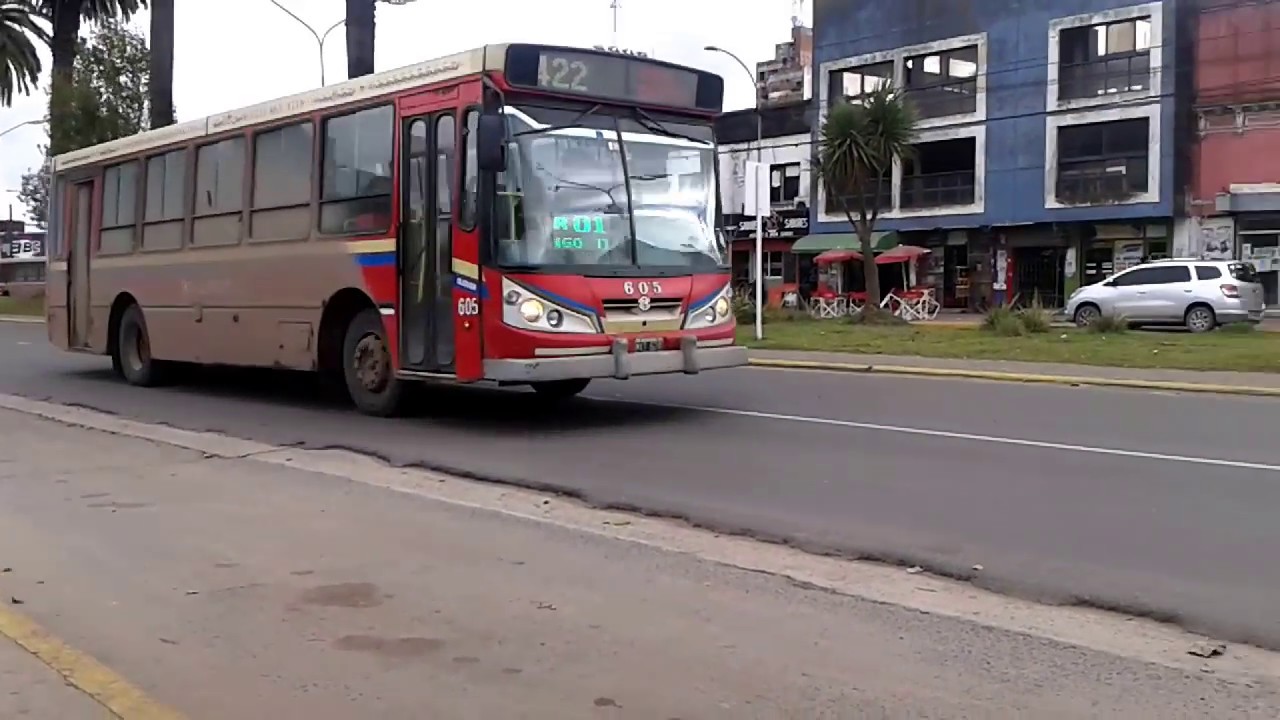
(1197, 294)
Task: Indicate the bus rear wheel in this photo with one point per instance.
(561, 389)
(132, 355)
(367, 367)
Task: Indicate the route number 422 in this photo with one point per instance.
(468, 306)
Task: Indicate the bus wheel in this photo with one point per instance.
(132, 356)
(367, 368)
(561, 389)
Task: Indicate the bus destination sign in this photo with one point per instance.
(613, 76)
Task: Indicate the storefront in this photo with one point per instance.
(1116, 247)
(22, 263)
(781, 230)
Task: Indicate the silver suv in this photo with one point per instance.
(1198, 294)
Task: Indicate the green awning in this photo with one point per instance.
(813, 244)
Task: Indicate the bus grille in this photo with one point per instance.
(625, 316)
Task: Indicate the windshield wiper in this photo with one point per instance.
(648, 123)
(576, 122)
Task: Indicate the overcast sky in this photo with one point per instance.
(234, 53)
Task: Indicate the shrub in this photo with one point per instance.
(1036, 318)
(1109, 325)
(1004, 321)
(1238, 328)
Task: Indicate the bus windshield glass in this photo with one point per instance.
(586, 188)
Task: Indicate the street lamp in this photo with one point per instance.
(21, 125)
(756, 201)
(320, 37)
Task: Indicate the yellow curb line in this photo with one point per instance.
(91, 677)
(1016, 377)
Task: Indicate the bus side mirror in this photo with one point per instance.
(491, 142)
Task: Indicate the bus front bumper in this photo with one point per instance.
(617, 362)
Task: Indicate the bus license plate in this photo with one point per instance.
(648, 344)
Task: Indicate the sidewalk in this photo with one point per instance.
(1258, 383)
(31, 689)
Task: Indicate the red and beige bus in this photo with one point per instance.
(523, 214)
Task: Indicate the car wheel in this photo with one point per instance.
(1087, 314)
(1200, 318)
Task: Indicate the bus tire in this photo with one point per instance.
(367, 368)
(132, 355)
(561, 389)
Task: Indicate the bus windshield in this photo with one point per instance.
(585, 188)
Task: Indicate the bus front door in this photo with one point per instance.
(425, 251)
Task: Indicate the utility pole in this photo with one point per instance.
(615, 6)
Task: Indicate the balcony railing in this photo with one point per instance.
(833, 206)
(1105, 76)
(938, 190)
(1097, 182)
(944, 99)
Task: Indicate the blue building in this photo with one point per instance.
(1048, 135)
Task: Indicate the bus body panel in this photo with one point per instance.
(236, 299)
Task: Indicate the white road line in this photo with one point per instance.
(946, 434)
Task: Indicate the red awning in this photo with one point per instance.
(900, 254)
(835, 256)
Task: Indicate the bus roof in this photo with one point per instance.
(489, 57)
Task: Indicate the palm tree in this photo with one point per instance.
(160, 84)
(21, 31)
(67, 16)
(858, 145)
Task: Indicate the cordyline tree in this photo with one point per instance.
(857, 146)
(106, 100)
(22, 31)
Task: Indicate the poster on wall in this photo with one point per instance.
(1216, 239)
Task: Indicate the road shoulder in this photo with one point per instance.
(31, 689)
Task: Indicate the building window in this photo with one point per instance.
(773, 265)
(356, 178)
(166, 183)
(940, 174)
(943, 83)
(784, 183)
(1104, 59)
(282, 167)
(220, 177)
(1102, 162)
(883, 190)
(120, 196)
(852, 83)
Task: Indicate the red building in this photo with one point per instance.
(1235, 180)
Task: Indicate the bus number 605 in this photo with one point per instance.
(642, 288)
(468, 306)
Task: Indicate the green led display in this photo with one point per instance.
(569, 229)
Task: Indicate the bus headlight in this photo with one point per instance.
(523, 308)
(713, 311)
(532, 310)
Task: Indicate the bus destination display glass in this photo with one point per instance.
(620, 77)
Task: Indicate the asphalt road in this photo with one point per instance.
(224, 587)
(1156, 504)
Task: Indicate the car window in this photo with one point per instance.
(1207, 272)
(1243, 272)
(1165, 275)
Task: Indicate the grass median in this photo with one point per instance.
(1230, 349)
(22, 306)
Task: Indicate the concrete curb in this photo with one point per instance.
(1016, 377)
(26, 319)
